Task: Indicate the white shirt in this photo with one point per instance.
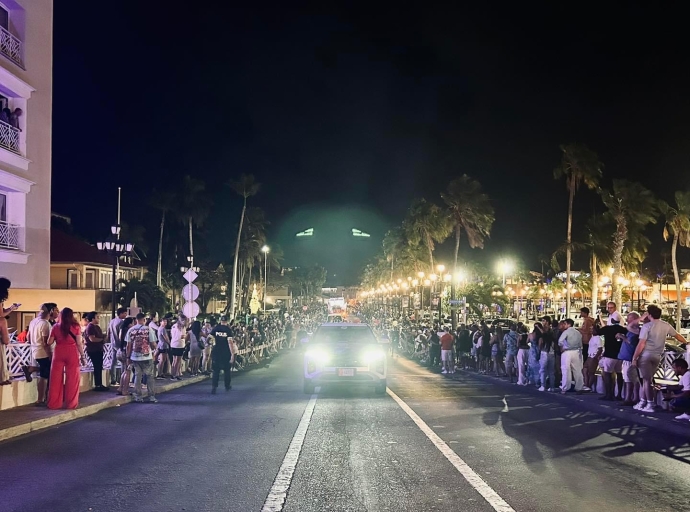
(685, 381)
(177, 335)
(614, 316)
(594, 345)
(571, 339)
(39, 329)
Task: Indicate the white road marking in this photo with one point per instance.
(278, 493)
(476, 481)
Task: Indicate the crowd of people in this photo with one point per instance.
(142, 348)
(557, 356)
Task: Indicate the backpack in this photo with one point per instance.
(139, 336)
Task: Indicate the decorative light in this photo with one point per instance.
(420, 275)
(448, 278)
(433, 277)
(440, 268)
(265, 249)
(427, 282)
(415, 282)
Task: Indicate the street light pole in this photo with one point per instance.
(114, 247)
(265, 249)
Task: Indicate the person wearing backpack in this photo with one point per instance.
(141, 341)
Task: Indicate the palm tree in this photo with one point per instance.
(599, 245)
(631, 207)
(678, 226)
(193, 207)
(425, 223)
(470, 210)
(245, 187)
(163, 202)
(393, 245)
(578, 165)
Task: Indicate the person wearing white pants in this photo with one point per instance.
(571, 357)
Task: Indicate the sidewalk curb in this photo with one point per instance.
(69, 415)
(662, 421)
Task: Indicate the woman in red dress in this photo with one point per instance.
(68, 357)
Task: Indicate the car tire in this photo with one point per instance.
(308, 386)
(380, 388)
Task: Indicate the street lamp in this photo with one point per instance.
(505, 267)
(265, 249)
(115, 248)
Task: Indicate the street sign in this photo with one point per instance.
(190, 276)
(191, 309)
(190, 292)
(455, 302)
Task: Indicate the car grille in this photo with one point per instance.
(346, 357)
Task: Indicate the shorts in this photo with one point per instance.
(648, 364)
(630, 374)
(43, 367)
(447, 356)
(177, 352)
(163, 348)
(610, 365)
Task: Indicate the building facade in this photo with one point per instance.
(26, 63)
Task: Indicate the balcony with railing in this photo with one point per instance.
(9, 137)
(9, 235)
(10, 46)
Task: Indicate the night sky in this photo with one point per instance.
(371, 107)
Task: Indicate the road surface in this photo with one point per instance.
(430, 444)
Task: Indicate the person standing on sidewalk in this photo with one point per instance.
(631, 377)
(648, 354)
(114, 338)
(207, 339)
(178, 340)
(571, 357)
(94, 347)
(447, 342)
(163, 348)
(67, 358)
(586, 331)
(611, 366)
(222, 355)
(41, 352)
(522, 355)
(141, 342)
(547, 360)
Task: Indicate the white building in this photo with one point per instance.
(26, 82)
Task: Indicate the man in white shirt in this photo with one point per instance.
(41, 352)
(614, 316)
(648, 354)
(571, 357)
(681, 401)
(114, 338)
(178, 339)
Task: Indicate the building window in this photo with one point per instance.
(90, 279)
(104, 280)
(4, 17)
(72, 279)
(3, 208)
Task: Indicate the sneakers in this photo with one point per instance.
(640, 405)
(552, 389)
(586, 388)
(683, 416)
(444, 371)
(648, 408)
(139, 400)
(542, 388)
(153, 400)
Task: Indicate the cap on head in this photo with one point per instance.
(224, 318)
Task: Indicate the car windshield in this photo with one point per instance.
(344, 334)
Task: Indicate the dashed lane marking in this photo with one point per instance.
(278, 493)
(476, 481)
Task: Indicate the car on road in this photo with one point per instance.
(345, 353)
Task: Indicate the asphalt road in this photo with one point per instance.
(197, 452)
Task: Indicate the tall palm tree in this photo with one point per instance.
(425, 223)
(162, 201)
(579, 165)
(193, 206)
(470, 210)
(246, 187)
(599, 245)
(677, 225)
(631, 207)
(393, 245)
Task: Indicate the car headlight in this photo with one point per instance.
(371, 356)
(318, 355)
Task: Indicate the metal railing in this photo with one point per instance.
(19, 354)
(9, 137)
(9, 235)
(10, 46)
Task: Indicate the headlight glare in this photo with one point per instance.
(372, 356)
(319, 356)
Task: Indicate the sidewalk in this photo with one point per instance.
(29, 418)
(661, 420)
